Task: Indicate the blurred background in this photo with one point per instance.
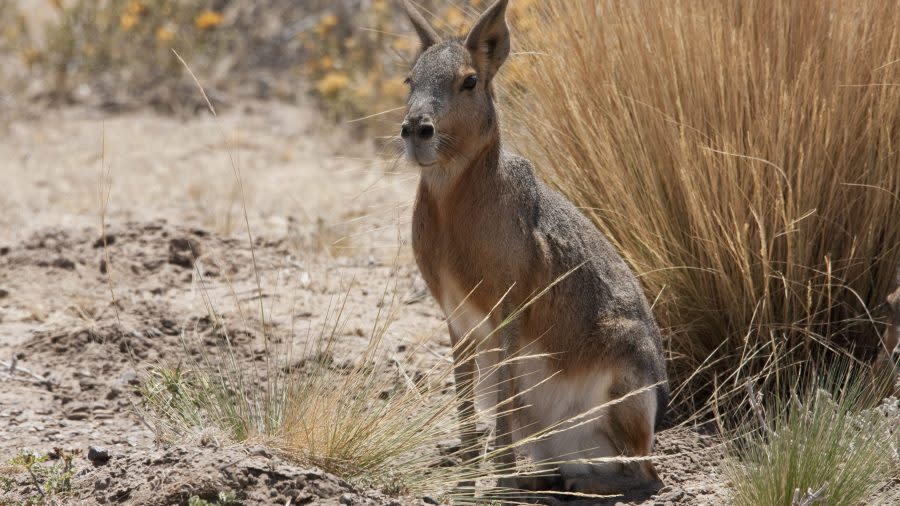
(350, 55)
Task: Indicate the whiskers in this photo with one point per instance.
(448, 148)
(393, 150)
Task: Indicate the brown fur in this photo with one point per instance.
(486, 226)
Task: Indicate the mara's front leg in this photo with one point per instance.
(506, 401)
(464, 379)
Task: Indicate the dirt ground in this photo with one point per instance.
(327, 218)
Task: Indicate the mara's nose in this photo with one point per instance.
(419, 127)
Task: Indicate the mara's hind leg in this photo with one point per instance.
(625, 430)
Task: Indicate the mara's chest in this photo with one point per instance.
(453, 271)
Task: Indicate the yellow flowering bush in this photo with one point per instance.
(353, 54)
(208, 19)
(120, 48)
(332, 84)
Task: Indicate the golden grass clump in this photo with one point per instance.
(743, 157)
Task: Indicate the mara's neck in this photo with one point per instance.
(443, 178)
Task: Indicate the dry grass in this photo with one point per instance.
(743, 157)
(368, 420)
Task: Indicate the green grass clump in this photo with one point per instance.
(48, 478)
(223, 498)
(825, 445)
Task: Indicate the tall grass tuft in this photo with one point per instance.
(743, 156)
(826, 446)
(369, 421)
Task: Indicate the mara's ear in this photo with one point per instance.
(427, 35)
(489, 39)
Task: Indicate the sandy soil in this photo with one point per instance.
(326, 220)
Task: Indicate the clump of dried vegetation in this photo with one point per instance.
(744, 160)
(365, 418)
(742, 157)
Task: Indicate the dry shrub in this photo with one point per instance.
(743, 156)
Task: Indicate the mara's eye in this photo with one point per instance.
(470, 82)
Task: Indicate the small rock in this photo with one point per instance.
(108, 240)
(102, 484)
(676, 496)
(98, 455)
(429, 500)
(152, 265)
(64, 263)
(346, 499)
(183, 251)
(80, 412)
(259, 450)
(4, 250)
(102, 266)
(4, 293)
(129, 378)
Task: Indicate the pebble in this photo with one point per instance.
(98, 454)
(109, 240)
(64, 263)
(183, 251)
(259, 451)
(78, 413)
(128, 377)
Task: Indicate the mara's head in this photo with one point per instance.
(893, 301)
(450, 112)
